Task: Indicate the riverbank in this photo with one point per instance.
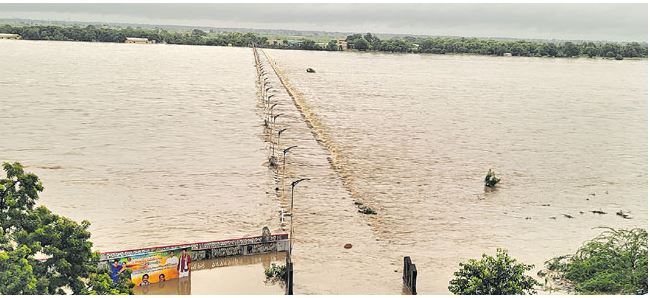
(357, 42)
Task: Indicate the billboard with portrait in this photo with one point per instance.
(155, 266)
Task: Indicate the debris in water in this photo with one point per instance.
(366, 210)
(567, 215)
(593, 194)
(553, 217)
(528, 217)
(273, 162)
(582, 212)
(546, 205)
(347, 246)
(598, 212)
(622, 214)
(310, 70)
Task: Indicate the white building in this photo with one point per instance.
(9, 36)
(138, 40)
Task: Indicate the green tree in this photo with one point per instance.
(590, 51)
(332, 45)
(493, 276)
(68, 262)
(570, 49)
(361, 44)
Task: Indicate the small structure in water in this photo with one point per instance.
(310, 70)
(491, 179)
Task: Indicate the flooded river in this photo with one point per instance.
(160, 144)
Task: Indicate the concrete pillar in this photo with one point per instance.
(409, 275)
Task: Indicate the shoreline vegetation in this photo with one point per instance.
(358, 42)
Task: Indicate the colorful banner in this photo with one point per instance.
(154, 267)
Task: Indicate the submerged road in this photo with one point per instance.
(321, 263)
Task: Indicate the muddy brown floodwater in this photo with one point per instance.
(162, 144)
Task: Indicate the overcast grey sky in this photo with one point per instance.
(616, 22)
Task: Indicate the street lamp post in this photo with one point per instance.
(284, 166)
(268, 100)
(279, 134)
(293, 185)
(284, 159)
(264, 85)
(271, 111)
(273, 144)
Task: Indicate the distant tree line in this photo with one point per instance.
(462, 45)
(103, 34)
(360, 42)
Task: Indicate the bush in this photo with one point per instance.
(615, 262)
(276, 272)
(491, 179)
(493, 276)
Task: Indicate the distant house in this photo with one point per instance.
(507, 54)
(295, 43)
(138, 40)
(9, 36)
(342, 44)
(274, 42)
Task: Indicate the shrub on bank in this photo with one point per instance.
(615, 262)
(500, 275)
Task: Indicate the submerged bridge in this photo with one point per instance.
(265, 243)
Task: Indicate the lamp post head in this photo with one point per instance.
(293, 184)
(286, 150)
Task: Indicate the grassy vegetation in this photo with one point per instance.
(615, 262)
